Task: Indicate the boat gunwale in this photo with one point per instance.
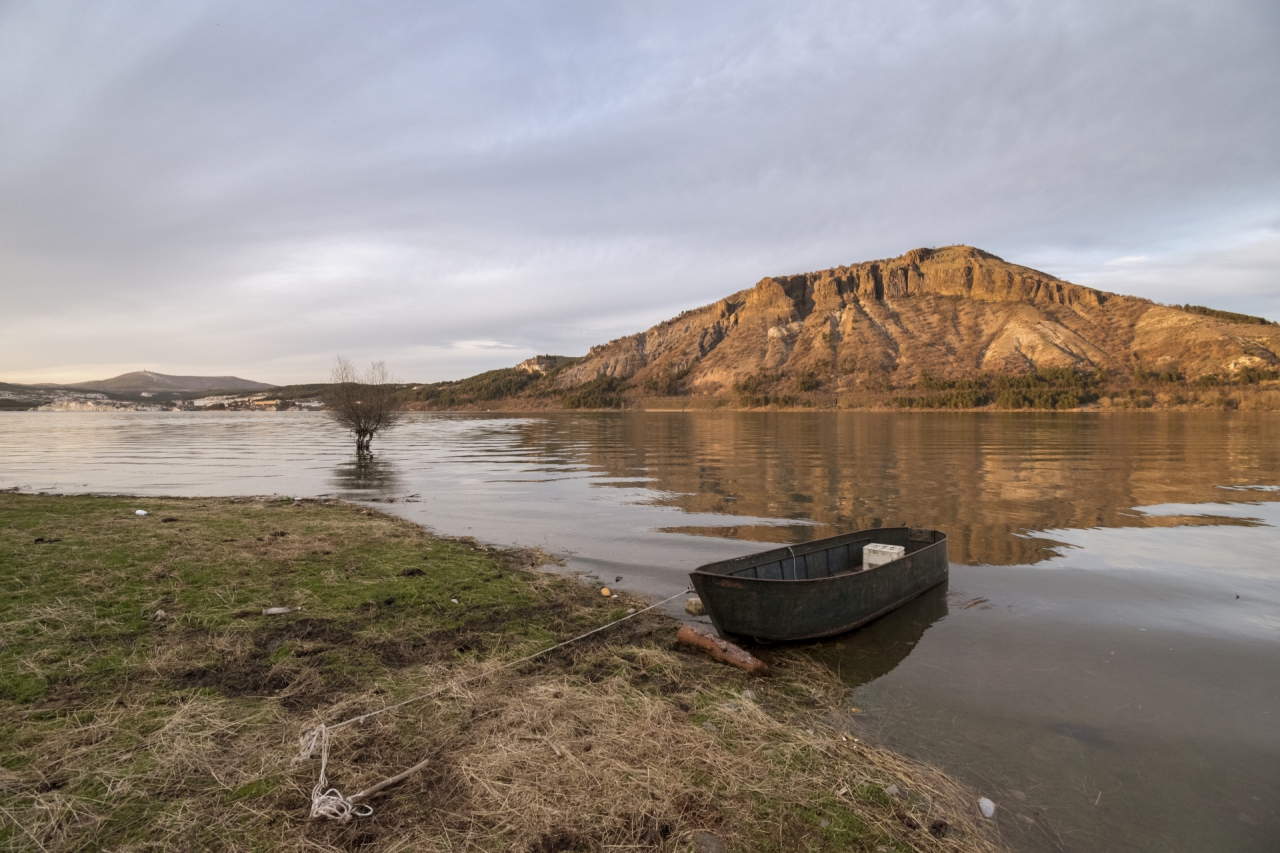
(942, 538)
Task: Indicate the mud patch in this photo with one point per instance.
(252, 664)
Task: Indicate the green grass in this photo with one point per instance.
(115, 628)
(85, 579)
(146, 703)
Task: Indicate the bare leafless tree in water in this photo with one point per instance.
(364, 403)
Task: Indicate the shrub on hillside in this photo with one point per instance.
(933, 383)
(1141, 374)
(753, 391)
(1229, 316)
(967, 398)
(810, 381)
(1051, 388)
(600, 393)
(1254, 375)
(668, 385)
(490, 385)
(1039, 398)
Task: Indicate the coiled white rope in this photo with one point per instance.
(329, 804)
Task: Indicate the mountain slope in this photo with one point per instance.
(951, 313)
(146, 380)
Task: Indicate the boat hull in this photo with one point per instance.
(816, 590)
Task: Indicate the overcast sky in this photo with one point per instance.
(250, 188)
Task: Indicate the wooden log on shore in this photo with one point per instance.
(721, 650)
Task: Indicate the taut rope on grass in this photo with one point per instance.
(329, 803)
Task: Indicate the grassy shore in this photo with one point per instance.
(147, 703)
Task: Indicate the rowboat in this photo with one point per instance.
(820, 588)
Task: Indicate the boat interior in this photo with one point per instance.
(824, 558)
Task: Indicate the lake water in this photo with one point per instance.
(1104, 664)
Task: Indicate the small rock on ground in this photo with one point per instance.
(694, 607)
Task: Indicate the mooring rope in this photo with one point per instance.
(329, 804)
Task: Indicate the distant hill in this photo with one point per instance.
(954, 327)
(146, 380)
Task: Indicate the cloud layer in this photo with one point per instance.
(250, 188)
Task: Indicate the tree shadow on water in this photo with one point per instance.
(369, 475)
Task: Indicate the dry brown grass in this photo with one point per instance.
(621, 742)
(602, 749)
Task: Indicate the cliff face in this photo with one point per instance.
(951, 312)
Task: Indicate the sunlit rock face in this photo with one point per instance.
(542, 363)
(951, 312)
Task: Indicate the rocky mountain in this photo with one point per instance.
(936, 314)
(146, 380)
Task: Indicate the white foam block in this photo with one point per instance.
(876, 554)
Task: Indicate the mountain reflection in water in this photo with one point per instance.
(989, 480)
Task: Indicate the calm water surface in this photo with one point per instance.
(1105, 662)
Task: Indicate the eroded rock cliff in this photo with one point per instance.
(951, 312)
